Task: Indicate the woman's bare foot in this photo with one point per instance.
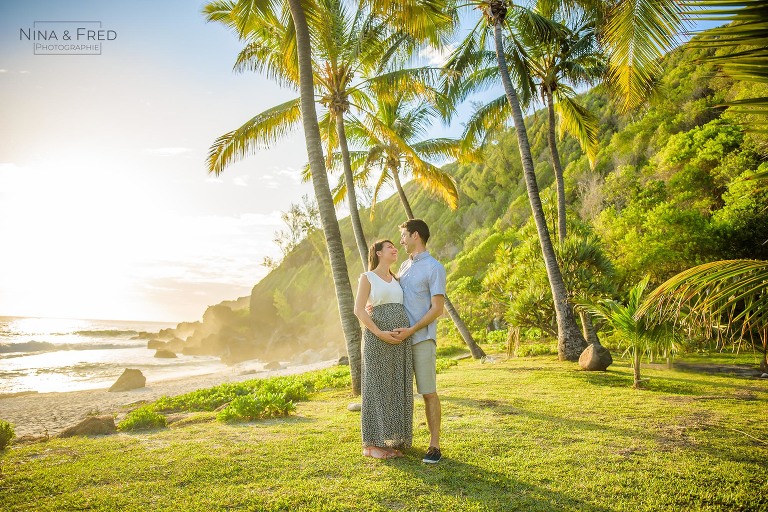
(377, 452)
(395, 452)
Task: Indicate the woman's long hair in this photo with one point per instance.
(373, 258)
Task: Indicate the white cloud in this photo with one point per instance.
(3, 70)
(167, 151)
(240, 181)
(437, 56)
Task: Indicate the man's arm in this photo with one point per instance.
(435, 310)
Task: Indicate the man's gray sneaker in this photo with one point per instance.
(432, 456)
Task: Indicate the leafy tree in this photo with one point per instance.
(498, 16)
(517, 280)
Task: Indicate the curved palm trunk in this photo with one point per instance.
(349, 180)
(401, 193)
(349, 322)
(474, 348)
(570, 342)
(561, 229)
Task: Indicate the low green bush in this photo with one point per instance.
(497, 337)
(536, 349)
(443, 364)
(296, 388)
(253, 407)
(143, 418)
(7, 434)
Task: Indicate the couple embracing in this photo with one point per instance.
(400, 316)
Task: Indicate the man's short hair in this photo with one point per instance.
(417, 226)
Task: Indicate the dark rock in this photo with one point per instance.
(595, 358)
(166, 354)
(273, 365)
(130, 379)
(92, 426)
(343, 361)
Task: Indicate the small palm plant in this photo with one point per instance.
(727, 299)
(640, 333)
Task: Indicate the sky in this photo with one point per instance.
(106, 207)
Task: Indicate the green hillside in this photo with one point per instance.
(665, 195)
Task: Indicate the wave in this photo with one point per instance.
(107, 333)
(44, 346)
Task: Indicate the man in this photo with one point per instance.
(422, 278)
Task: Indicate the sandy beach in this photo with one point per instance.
(39, 413)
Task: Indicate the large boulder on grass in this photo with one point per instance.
(130, 379)
(595, 358)
(92, 426)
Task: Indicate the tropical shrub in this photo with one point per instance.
(253, 407)
(143, 418)
(7, 434)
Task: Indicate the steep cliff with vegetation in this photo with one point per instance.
(667, 192)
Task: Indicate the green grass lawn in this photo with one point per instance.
(524, 434)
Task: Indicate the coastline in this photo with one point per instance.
(38, 414)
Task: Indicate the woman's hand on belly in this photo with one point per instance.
(388, 337)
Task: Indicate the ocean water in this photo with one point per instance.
(54, 355)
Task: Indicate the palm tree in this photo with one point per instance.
(346, 46)
(570, 339)
(570, 59)
(246, 17)
(641, 333)
(392, 135)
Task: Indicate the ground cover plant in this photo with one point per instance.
(527, 433)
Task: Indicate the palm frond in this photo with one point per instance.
(486, 119)
(579, 122)
(636, 35)
(259, 132)
(735, 289)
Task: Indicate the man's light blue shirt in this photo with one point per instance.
(421, 277)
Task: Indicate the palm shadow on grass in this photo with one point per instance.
(485, 488)
(663, 435)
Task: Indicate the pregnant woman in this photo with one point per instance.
(387, 373)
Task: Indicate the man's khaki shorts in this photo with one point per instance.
(424, 360)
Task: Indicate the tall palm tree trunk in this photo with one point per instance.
(349, 180)
(474, 348)
(401, 193)
(349, 322)
(561, 228)
(570, 342)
